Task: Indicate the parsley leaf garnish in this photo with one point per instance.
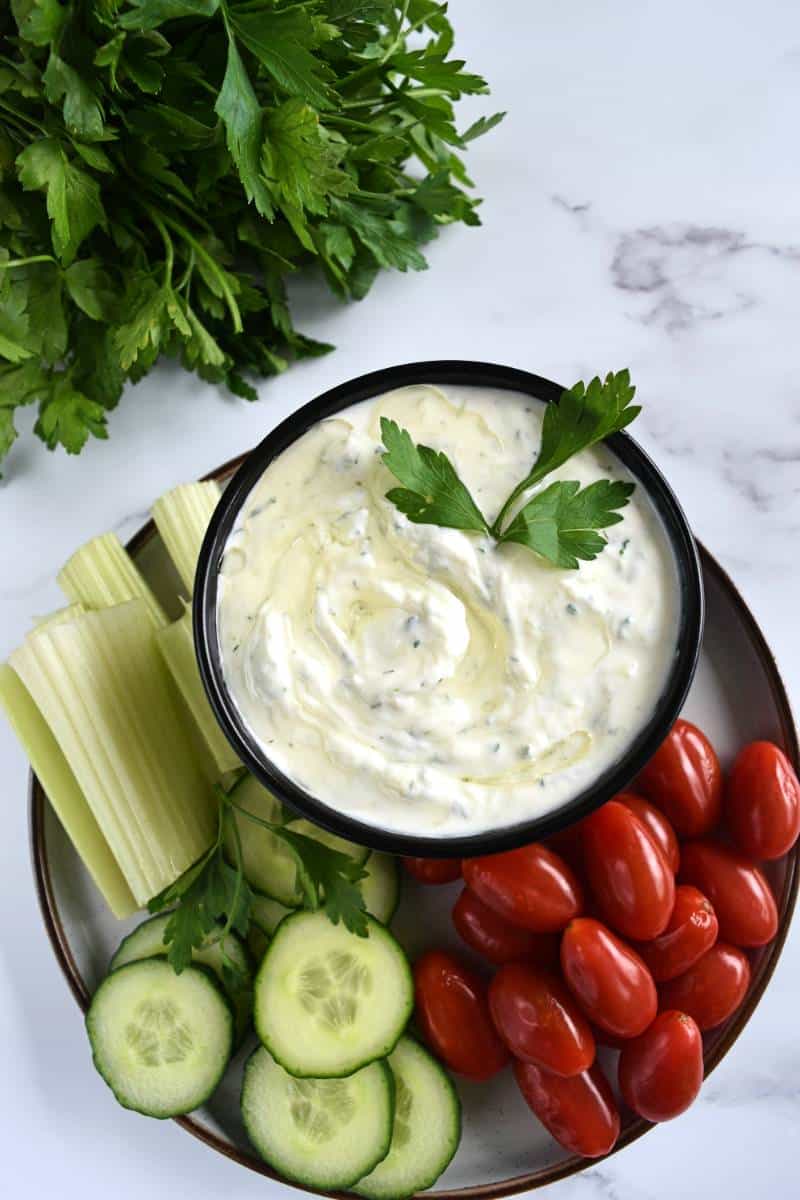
(433, 493)
(584, 415)
(559, 523)
(213, 896)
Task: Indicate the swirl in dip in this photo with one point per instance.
(426, 680)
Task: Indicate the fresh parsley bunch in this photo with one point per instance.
(166, 164)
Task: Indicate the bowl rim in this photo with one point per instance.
(542, 1176)
(611, 781)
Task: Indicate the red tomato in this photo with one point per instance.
(684, 780)
(660, 1073)
(712, 989)
(656, 825)
(762, 801)
(531, 887)
(497, 939)
(609, 980)
(628, 873)
(452, 1009)
(539, 1021)
(579, 1112)
(433, 870)
(740, 894)
(691, 931)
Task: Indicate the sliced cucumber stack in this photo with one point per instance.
(161, 1041)
(322, 1133)
(147, 941)
(327, 1002)
(381, 886)
(427, 1126)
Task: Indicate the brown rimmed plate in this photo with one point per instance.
(737, 695)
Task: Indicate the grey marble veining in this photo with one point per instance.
(641, 209)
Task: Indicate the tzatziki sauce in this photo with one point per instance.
(427, 680)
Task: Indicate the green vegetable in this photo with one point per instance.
(559, 523)
(434, 494)
(161, 1042)
(214, 888)
(100, 685)
(166, 165)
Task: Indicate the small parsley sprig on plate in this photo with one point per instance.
(215, 890)
(561, 522)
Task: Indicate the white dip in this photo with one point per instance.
(427, 680)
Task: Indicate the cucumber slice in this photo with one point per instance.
(327, 1002)
(267, 914)
(381, 887)
(268, 865)
(161, 1041)
(427, 1126)
(318, 1132)
(147, 941)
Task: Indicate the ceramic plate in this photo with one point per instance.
(737, 696)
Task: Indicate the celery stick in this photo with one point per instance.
(60, 616)
(182, 516)
(102, 573)
(177, 646)
(102, 686)
(63, 792)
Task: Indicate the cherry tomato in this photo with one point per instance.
(712, 989)
(433, 870)
(660, 1073)
(531, 887)
(684, 780)
(539, 1021)
(656, 825)
(762, 801)
(691, 931)
(628, 873)
(580, 1112)
(608, 979)
(452, 1009)
(738, 891)
(497, 939)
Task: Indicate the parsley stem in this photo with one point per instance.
(213, 268)
(169, 247)
(21, 116)
(24, 262)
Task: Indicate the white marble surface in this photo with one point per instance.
(641, 208)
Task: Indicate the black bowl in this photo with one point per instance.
(609, 782)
